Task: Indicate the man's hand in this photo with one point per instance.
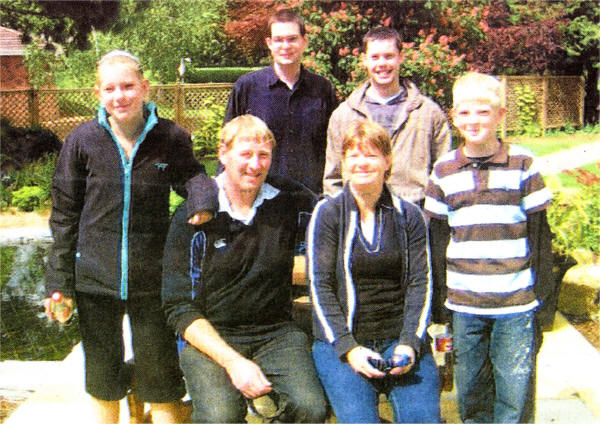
(200, 218)
(403, 350)
(358, 358)
(248, 378)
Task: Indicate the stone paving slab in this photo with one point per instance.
(567, 389)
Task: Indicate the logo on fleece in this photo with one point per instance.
(161, 166)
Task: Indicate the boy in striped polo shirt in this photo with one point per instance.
(491, 250)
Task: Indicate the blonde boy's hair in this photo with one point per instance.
(474, 86)
(247, 126)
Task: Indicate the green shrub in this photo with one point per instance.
(527, 111)
(7, 257)
(211, 165)
(174, 201)
(27, 198)
(5, 196)
(70, 107)
(574, 215)
(35, 174)
(206, 138)
(204, 75)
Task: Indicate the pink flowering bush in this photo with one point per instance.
(335, 37)
(430, 63)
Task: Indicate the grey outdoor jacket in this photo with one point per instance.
(421, 136)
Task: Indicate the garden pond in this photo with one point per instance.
(26, 334)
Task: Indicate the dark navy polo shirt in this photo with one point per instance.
(297, 117)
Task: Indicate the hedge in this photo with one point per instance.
(203, 75)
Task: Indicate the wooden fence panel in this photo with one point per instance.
(559, 100)
(62, 110)
(560, 103)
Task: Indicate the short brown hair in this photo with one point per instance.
(286, 15)
(366, 133)
(246, 126)
(382, 33)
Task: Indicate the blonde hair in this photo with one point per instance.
(367, 134)
(119, 56)
(247, 126)
(474, 86)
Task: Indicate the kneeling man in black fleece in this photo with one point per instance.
(227, 289)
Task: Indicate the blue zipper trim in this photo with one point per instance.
(127, 169)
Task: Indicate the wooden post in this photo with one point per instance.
(544, 103)
(34, 110)
(581, 100)
(504, 101)
(179, 104)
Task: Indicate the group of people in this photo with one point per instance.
(403, 232)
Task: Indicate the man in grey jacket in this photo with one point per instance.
(418, 126)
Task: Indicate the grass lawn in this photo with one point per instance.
(541, 146)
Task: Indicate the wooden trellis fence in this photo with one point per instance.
(61, 110)
(559, 103)
(559, 100)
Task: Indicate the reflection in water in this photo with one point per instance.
(26, 334)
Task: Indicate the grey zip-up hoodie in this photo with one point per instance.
(421, 135)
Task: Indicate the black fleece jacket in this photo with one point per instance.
(332, 229)
(237, 276)
(109, 216)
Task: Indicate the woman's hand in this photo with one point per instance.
(403, 350)
(358, 358)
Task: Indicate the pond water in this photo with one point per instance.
(26, 334)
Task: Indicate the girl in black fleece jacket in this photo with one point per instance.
(109, 221)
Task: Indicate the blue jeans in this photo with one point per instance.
(495, 366)
(414, 397)
(285, 360)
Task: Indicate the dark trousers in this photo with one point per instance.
(286, 362)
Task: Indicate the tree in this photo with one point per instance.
(166, 31)
(247, 25)
(61, 22)
(581, 40)
(519, 39)
(160, 33)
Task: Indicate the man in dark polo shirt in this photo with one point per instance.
(294, 102)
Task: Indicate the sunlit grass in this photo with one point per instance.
(541, 146)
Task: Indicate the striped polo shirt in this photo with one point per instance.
(486, 205)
